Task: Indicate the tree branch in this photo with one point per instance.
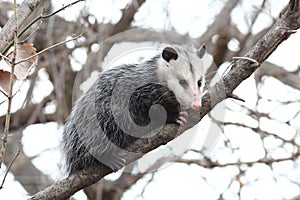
(21, 117)
(9, 167)
(241, 70)
(270, 69)
(207, 163)
(23, 12)
(10, 91)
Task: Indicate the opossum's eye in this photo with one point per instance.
(183, 83)
(200, 83)
(201, 51)
(169, 53)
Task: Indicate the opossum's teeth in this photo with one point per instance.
(182, 118)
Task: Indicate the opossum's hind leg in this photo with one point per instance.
(113, 160)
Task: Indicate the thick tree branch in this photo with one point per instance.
(241, 69)
(24, 11)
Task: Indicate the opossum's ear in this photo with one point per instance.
(169, 53)
(201, 51)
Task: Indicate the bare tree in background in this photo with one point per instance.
(56, 63)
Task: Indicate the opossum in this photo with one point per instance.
(128, 102)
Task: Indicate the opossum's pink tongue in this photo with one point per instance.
(196, 104)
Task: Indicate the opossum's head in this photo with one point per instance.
(182, 72)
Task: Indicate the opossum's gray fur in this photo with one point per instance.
(129, 102)
(114, 112)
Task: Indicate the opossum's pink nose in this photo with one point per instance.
(196, 104)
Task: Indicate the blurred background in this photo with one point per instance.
(256, 154)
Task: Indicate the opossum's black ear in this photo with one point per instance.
(201, 51)
(169, 53)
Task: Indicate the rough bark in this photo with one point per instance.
(24, 10)
(241, 70)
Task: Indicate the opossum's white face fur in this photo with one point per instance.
(182, 72)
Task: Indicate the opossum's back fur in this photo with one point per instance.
(102, 118)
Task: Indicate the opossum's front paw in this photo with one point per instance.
(182, 118)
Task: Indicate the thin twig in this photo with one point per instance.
(5, 57)
(145, 185)
(13, 63)
(32, 32)
(211, 164)
(42, 16)
(247, 58)
(50, 47)
(62, 8)
(236, 97)
(9, 97)
(10, 165)
(3, 93)
(40, 52)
